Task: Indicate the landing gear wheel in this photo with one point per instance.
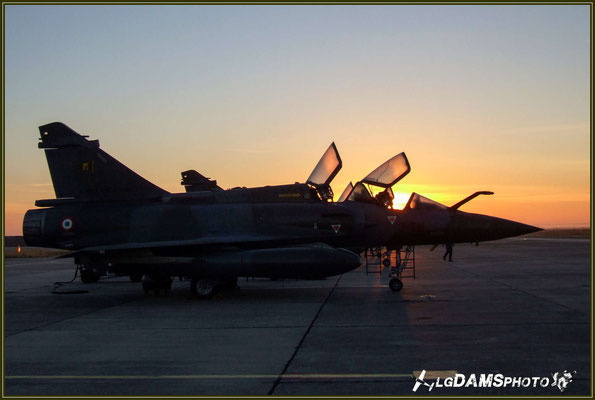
(156, 283)
(231, 283)
(136, 277)
(395, 284)
(89, 276)
(204, 288)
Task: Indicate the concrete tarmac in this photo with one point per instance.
(516, 307)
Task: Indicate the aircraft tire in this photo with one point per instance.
(89, 276)
(148, 284)
(231, 283)
(156, 283)
(395, 284)
(204, 288)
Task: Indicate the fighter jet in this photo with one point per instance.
(113, 220)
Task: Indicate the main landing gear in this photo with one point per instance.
(89, 274)
(156, 283)
(205, 288)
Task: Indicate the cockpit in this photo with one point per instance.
(327, 168)
(419, 202)
(317, 186)
(390, 172)
(385, 176)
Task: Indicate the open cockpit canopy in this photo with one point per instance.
(390, 172)
(385, 176)
(326, 169)
(360, 193)
(419, 202)
(346, 192)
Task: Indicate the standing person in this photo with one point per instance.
(448, 253)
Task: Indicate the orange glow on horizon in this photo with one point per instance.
(533, 200)
(534, 206)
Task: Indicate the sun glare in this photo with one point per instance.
(400, 200)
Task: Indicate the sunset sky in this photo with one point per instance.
(479, 97)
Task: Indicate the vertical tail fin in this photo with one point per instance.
(80, 169)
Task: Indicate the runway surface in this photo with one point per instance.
(520, 308)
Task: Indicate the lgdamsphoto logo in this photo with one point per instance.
(561, 380)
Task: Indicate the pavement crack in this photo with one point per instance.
(298, 347)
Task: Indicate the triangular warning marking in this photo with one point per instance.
(336, 227)
(392, 219)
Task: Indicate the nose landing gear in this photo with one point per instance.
(404, 259)
(395, 284)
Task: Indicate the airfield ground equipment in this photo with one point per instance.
(401, 263)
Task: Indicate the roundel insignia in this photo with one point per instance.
(67, 224)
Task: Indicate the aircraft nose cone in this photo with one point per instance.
(506, 228)
(476, 228)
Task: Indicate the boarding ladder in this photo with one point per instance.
(401, 262)
(373, 259)
(404, 263)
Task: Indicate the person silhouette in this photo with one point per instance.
(448, 253)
